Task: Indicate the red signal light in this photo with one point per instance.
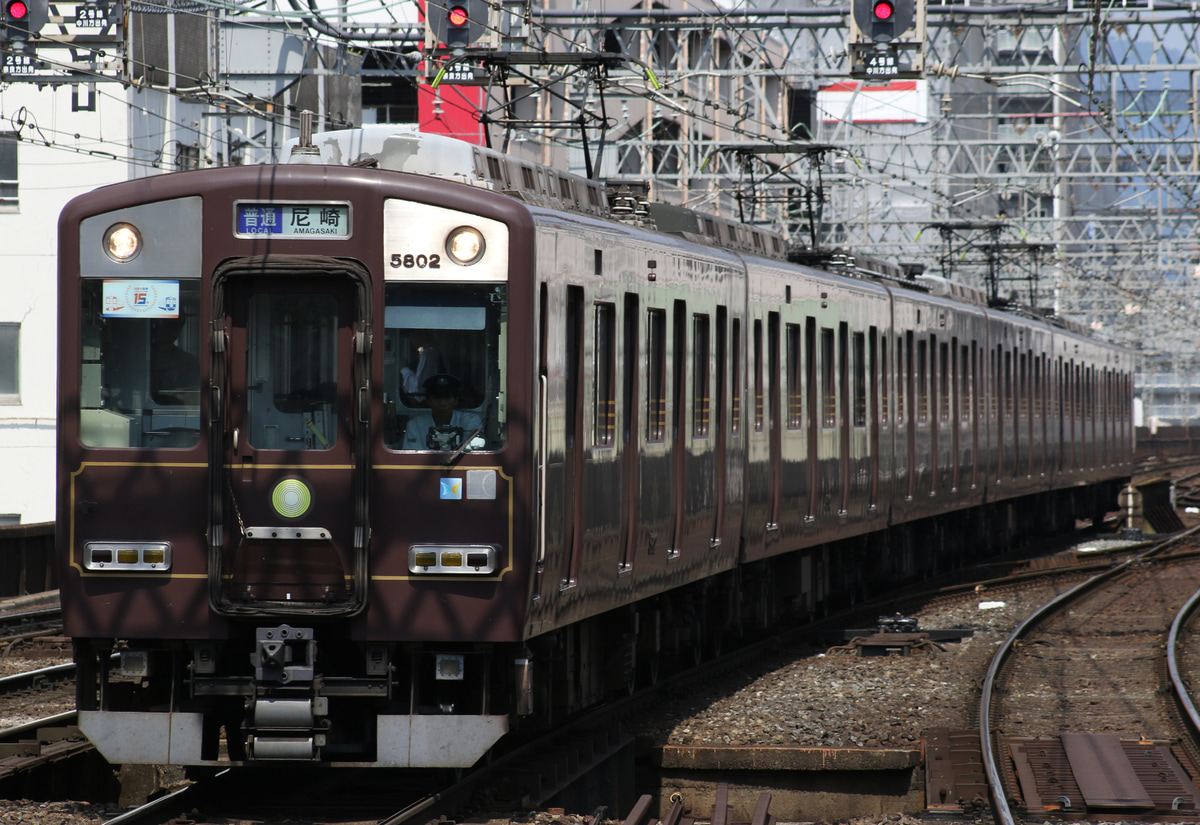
(884, 10)
(457, 16)
(17, 10)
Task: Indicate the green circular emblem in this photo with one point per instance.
(291, 498)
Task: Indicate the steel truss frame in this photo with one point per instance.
(1076, 126)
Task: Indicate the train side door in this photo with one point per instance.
(291, 357)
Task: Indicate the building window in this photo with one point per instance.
(187, 158)
(10, 357)
(8, 170)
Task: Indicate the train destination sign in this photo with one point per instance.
(292, 220)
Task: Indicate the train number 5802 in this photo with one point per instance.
(416, 261)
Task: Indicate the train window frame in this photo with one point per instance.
(977, 384)
(294, 375)
(828, 378)
(119, 406)
(604, 395)
(795, 378)
(758, 376)
(720, 356)
(858, 356)
(466, 323)
(656, 375)
(964, 385)
(735, 381)
(1038, 392)
(944, 375)
(884, 383)
(1024, 387)
(701, 375)
(994, 383)
(773, 377)
(922, 380)
(1007, 390)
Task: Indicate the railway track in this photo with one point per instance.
(548, 768)
(1076, 717)
(545, 768)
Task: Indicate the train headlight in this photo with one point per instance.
(122, 242)
(465, 245)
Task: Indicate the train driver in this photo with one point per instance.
(443, 427)
(174, 372)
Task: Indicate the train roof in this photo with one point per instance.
(404, 148)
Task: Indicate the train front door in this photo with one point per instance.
(291, 359)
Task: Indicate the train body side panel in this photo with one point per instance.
(635, 504)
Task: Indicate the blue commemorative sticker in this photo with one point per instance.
(451, 488)
(141, 299)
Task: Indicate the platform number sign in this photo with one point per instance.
(881, 65)
(92, 16)
(19, 64)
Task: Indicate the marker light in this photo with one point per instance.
(122, 242)
(119, 557)
(432, 559)
(457, 16)
(465, 245)
(883, 10)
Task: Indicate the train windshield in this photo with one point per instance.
(444, 362)
(140, 374)
(291, 371)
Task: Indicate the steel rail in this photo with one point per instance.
(32, 678)
(169, 807)
(58, 720)
(1000, 804)
(1180, 687)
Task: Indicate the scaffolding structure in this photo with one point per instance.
(1069, 131)
(1073, 128)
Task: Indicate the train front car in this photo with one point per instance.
(290, 465)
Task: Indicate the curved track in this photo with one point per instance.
(1089, 660)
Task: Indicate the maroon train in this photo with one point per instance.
(667, 434)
